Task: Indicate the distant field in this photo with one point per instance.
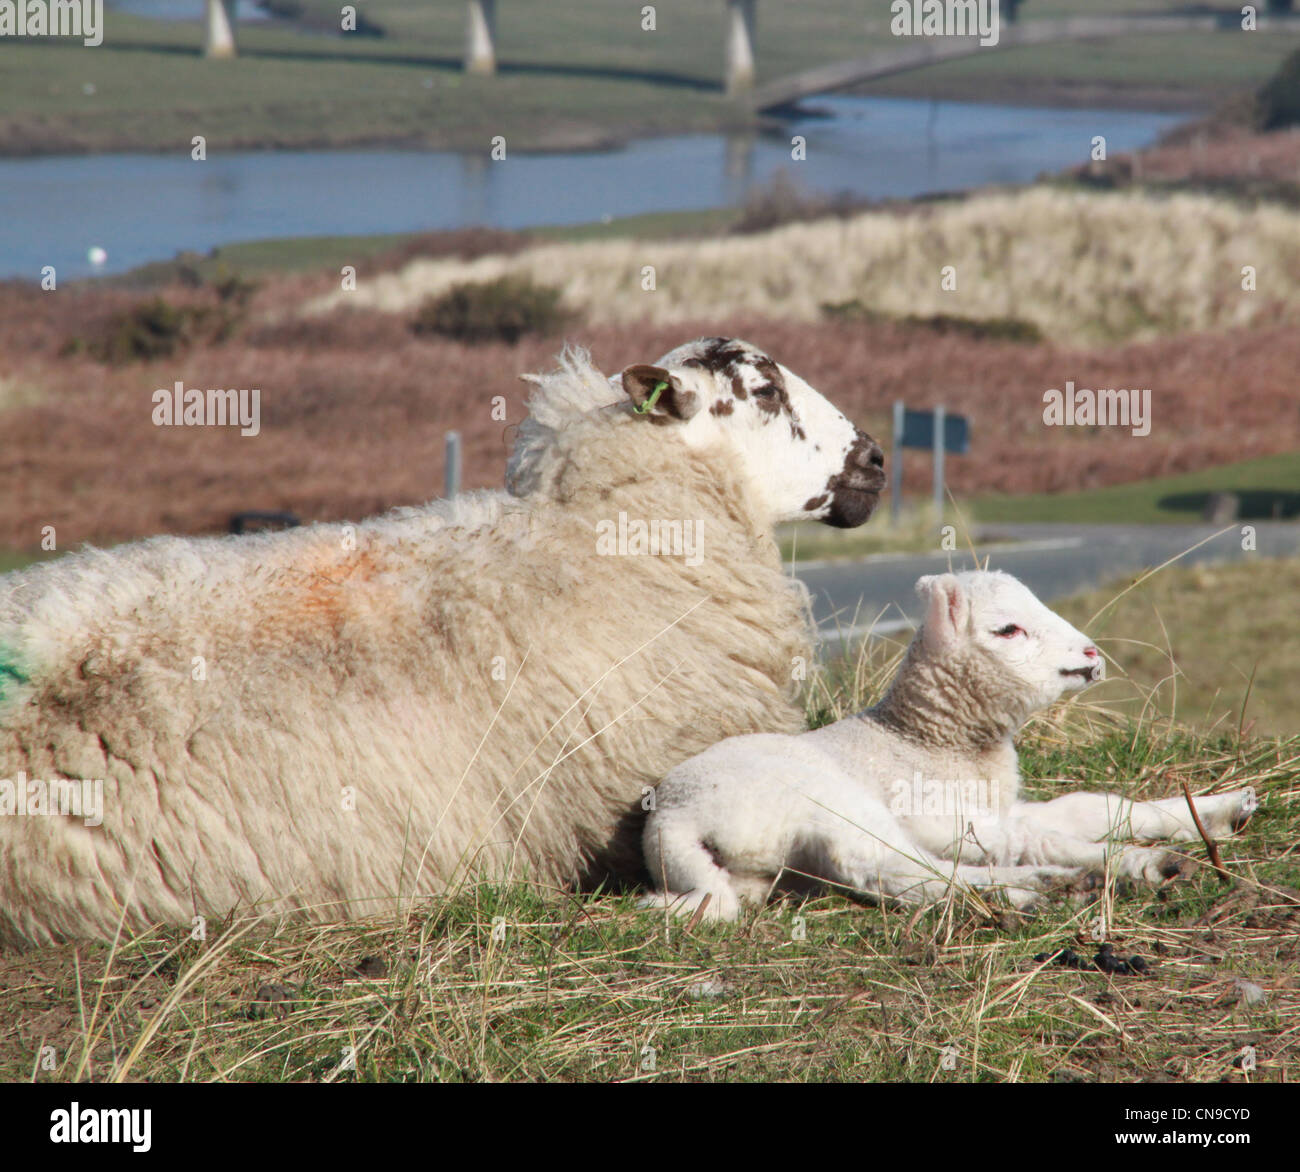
(573, 73)
(1213, 646)
(1269, 489)
(305, 254)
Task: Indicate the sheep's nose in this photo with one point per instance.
(866, 453)
(1090, 652)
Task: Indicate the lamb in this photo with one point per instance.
(921, 792)
(333, 720)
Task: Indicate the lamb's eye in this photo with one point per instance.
(1009, 631)
(766, 391)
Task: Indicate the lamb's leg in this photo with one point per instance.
(928, 880)
(871, 853)
(678, 859)
(1097, 816)
(1020, 839)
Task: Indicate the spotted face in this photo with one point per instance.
(804, 457)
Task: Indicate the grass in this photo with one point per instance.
(1101, 268)
(1269, 488)
(1153, 68)
(305, 254)
(583, 989)
(578, 73)
(495, 984)
(16, 559)
(917, 531)
(1213, 646)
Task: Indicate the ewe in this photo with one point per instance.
(334, 719)
(922, 791)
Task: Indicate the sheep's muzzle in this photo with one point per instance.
(855, 491)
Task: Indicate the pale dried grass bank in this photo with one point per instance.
(1083, 267)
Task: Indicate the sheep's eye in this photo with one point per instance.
(1010, 631)
(766, 391)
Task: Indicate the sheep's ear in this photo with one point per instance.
(947, 612)
(658, 395)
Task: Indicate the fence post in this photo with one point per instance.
(219, 28)
(939, 446)
(451, 481)
(896, 466)
(740, 46)
(480, 38)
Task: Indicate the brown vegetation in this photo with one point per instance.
(355, 407)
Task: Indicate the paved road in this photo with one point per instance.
(1052, 560)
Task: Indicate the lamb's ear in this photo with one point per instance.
(947, 612)
(658, 395)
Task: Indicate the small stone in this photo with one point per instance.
(1251, 994)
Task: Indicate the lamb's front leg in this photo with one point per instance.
(1098, 816)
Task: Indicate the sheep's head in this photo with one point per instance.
(801, 453)
(1011, 647)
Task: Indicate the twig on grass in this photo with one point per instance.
(1211, 846)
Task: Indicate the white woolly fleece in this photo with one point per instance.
(334, 719)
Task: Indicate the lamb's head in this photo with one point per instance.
(1007, 644)
(804, 458)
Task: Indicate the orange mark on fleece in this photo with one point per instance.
(325, 589)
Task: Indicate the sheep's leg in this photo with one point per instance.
(679, 860)
(1097, 816)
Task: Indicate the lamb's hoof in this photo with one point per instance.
(1249, 804)
(1009, 920)
(1150, 865)
(1025, 902)
(1046, 882)
(1085, 882)
(1176, 867)
(709, 906)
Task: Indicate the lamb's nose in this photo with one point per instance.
(1090, 652)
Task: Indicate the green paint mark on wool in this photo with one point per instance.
(9, 671)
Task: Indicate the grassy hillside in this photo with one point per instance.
(590, 988)
(1081, 267)
(1268, 488)
(578, 72)
(1212, 646)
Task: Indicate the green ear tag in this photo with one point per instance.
(649, 404)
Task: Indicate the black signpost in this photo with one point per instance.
(936, 430)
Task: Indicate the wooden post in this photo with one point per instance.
(896, 466)
(740, 45)
(219, 28)
(481, 38)
(451, 471)
(939, 448)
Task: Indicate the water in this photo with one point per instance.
(245, 10)
(141, 208)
